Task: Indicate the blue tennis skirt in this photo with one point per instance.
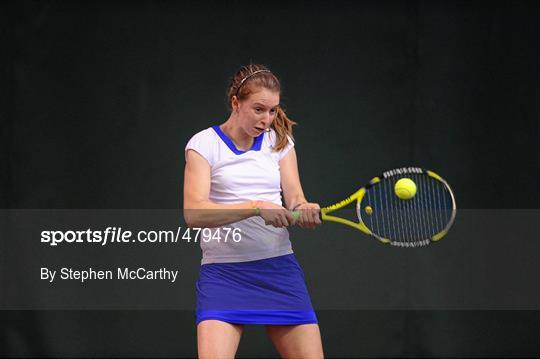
(267, 291)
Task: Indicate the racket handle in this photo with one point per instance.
(296, 216)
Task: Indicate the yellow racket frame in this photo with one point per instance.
(359, 195)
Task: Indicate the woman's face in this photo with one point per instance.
(256, 113)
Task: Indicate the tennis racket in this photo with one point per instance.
(413, 222)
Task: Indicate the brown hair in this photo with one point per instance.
(251, 77)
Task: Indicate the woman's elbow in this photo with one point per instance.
(194, 214)
(190, 218)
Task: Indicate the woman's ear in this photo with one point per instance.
(234, 103)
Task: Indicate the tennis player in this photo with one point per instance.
(234, 176)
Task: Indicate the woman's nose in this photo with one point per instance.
(265, 120)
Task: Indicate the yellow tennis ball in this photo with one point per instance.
(368, 210)
(405, 188)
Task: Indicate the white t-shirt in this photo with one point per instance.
(239, 176)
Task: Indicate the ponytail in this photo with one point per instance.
(283, 127)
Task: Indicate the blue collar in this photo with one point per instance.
(256, 144)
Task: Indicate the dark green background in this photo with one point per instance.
(99, 99)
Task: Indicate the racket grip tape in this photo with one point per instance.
(296, 216)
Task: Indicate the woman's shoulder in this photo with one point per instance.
(207, 133)
(206, 138)
(271, 137)
(204, 142)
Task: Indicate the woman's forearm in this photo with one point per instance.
(208, 214)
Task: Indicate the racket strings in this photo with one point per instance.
(407, 223)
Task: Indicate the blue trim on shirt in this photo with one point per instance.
(256, 144)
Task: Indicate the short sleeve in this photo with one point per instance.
(288, 147)
(203, 145)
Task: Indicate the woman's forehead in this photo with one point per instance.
(265, 97)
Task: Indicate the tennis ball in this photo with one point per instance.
(405, 188)
(368, 210)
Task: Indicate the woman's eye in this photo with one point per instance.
(258, 109)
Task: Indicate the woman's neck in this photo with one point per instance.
(241, 140)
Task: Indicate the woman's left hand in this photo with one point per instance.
(309, 215)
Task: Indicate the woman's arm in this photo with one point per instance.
(290, 181)
(293, 193)
(199, 211)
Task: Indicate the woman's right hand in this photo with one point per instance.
(274, 214)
